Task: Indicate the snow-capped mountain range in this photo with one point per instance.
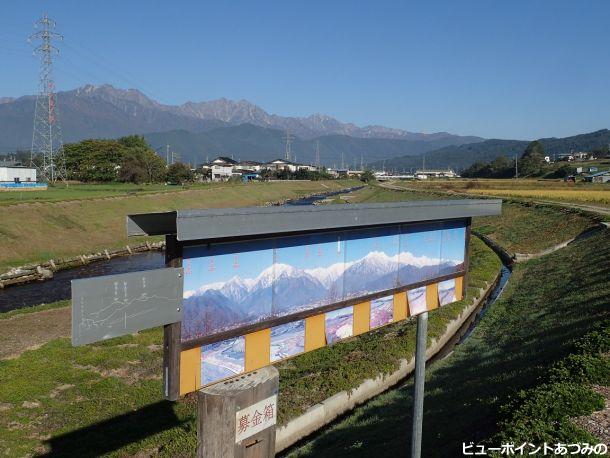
(283, 289)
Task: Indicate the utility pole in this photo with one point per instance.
(342, 161)
(516, 168)
(47, 140)
(361, 162)
(318, 154)
(167, 154)
(424, 164)
(288, 153)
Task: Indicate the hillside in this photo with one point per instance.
(251, 142)
(461, 156)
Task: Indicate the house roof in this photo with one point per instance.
(225, 159)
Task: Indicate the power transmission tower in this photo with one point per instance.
(318, 154)
(47, 144)
(288, 154)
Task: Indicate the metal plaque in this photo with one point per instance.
(116, 305)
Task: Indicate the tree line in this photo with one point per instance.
(128, 159)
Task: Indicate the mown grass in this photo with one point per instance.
(77, 191)
(34, 309)
(531, 228)
(41, 231)
(548, 303)
(106, 398)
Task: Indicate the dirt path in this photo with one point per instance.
(31, 330)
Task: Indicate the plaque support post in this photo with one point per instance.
(236, 418)
(420, 375)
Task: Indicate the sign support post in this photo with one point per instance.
(420, 375)
(237, 418)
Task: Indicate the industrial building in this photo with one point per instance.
(18, 177)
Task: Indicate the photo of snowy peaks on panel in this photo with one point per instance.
(308, 272)
(231, 285)
(226, 286)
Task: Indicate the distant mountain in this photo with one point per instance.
(459, 157)
(108, 112)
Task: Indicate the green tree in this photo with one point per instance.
(94, 160)
(179, 173)
(532, 159)
(367, 176)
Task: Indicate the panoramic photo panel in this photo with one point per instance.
(446, 292)
(382, 311)
(339, 324)
(453, 247)
(287, 340)
(308, 272)
(417, 300)
(226, 286)
(220, 360)
(371, 261)
(420, 253)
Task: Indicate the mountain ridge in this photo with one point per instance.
(107, 112)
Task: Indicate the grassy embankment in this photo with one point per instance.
(522, 227)
(33, 232)
(524, 341)
(76, 191)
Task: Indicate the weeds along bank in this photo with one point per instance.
(526, 370)
(106, 398)
(41, 231)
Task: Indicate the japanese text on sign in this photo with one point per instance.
(255, 418)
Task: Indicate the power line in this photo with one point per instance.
(47, 143)
(288, 152)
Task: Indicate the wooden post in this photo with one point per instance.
(171, 332)
(236, 418)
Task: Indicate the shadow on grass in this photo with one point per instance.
(548, 303)
(114, 433)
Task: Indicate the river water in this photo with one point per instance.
(58, 288)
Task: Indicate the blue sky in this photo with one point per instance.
(519, 69)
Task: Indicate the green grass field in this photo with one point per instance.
(106, 397)
(35, 232)
(62, 192)
(548, 304)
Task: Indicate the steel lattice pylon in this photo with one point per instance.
(47, 146)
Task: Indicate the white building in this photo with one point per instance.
(281, 164)
(222, 168)
(435, 174)
(15, 174)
